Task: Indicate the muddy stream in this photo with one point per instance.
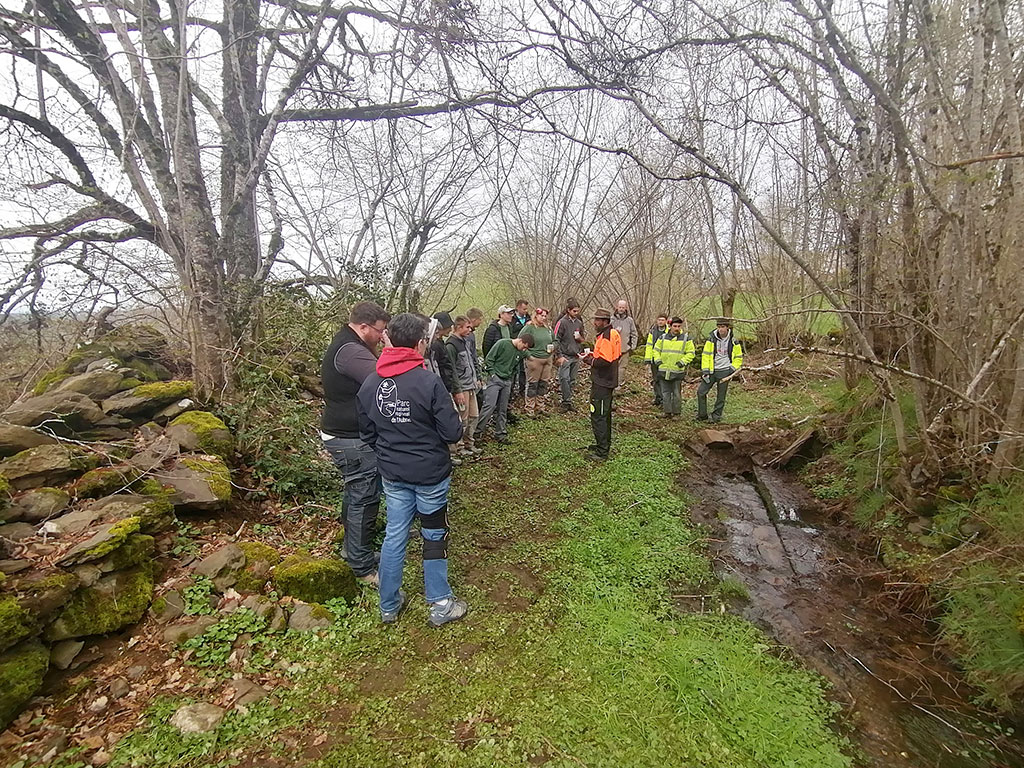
(813, 587)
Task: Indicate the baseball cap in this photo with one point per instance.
(506, 308)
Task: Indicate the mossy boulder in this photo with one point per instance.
(16, 623)
(199, 482)
(63, 413)
(96, 384)
(5, 499)
(15, 439)
(202, 431)
(155, 512)
(46, 465)
(315, 580)
(147, 398)
(39, 504)
(107, 539)
(43, 593)
(21, 675)
(104, 481)
(113, 602)
(259, 560)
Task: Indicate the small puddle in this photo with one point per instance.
(819, 597)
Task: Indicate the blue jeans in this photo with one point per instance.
(406, 502)
(567, 373)
(361, 501)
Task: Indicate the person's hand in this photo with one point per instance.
(460, 398)
(680, 364)
(706, 378)
(385, 339)
(559, 360)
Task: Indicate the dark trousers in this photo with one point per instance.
(671, 394)
(361, 502)
(655, 382)
(702, 395)
(601, 418)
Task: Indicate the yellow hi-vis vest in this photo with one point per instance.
(673, 353)
(707, 358)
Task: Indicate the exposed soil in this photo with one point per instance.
(816, 587)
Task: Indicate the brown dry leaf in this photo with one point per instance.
(320, 739)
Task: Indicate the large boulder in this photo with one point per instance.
(203, 432)
(63, 413)
(147, 399)
(21, 675)
(46, 465)
(315, 580)
(15, 439)
(198, 482)
(96, 384)
(113, 602)
(38, 504)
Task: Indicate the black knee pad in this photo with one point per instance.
(436, 519)
(542, 388)
(436, 550)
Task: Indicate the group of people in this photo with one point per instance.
(670, 350)
(408, 397)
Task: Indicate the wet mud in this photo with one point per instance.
(817, 589)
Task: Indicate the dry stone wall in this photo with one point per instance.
(95, 465)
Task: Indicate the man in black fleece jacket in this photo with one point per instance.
(407, 416)
(348, 361)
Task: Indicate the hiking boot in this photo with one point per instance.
(595, 456)
(450, 609)
(476, 451)
(371, 580)
(390, 617)
(503, 440)
(564, 407)
(467, 453)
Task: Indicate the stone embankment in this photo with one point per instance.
(96, 465)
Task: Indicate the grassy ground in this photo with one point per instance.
(573, 653)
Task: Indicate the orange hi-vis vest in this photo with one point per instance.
(608, 347)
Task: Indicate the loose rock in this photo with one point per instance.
(39, 504)
(307, 617)
(62, 413)
(245, 692)
(179, 633)
(198, 718)
(222, 566)
(62, 654)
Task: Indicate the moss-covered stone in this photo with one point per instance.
(21, 675)
(42, 596)
(15, 622)
(137, 548)
(103, 482)
(5, 494)
(216, 472)
(155, 511)
(315, 580)
(202, 431)
(46, 465)
(50, 379)
(115, 601)
(149, 370)
(105, 541)
(164, 390)
(131, 383)
(259, 560)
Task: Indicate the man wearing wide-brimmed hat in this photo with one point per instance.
(604, 361)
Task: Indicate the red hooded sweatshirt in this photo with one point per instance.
(394, 361)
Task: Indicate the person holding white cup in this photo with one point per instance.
(568, 340)
(538, 361)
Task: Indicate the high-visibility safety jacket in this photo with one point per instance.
(707, 358)
(652, 338)
(673, 354)
(607, 351)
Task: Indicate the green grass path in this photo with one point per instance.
(573, 653)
